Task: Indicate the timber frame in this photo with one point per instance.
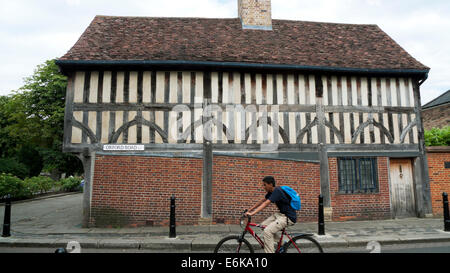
(330, 139)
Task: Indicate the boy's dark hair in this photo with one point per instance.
(269, 180)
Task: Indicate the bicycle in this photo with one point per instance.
(297, 243)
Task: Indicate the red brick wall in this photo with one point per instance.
(237, 185)
(136, 190)
(439, 179)
(131, 190)
(360, 206)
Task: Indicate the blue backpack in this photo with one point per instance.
(295, 198)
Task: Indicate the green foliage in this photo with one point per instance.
(30, 157)
(14, 167)
(39, 184)
(22, 189)
(71, 184)
(14, 125)
(32, 123)
(14, 186)
(44, 101)
(438, 137)
(7, 144)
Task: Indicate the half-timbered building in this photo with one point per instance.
(203, 109)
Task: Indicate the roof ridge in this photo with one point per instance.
(430, 104)
(231, 18)
(160, 17)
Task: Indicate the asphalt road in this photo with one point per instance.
(403, 248)
(47, 215)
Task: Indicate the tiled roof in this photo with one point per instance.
(111, 38)
(442, 99)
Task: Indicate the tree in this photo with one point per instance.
(34, 125)
(44, 99)
(7, 145)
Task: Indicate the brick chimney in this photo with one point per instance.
(255, 14)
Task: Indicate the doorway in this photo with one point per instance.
(402, 188)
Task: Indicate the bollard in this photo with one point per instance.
(7, 218)
(172, 231)
(446, 212)
(321, 217)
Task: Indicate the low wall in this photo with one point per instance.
(135, 190)
(439, 175)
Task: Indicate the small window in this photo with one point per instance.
(357, 175)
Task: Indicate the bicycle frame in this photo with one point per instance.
(260, 241)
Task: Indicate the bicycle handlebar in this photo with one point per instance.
(248, 216)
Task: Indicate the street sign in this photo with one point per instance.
(123, 147)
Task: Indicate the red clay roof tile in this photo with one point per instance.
(111, 38)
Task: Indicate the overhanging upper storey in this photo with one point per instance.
(178, 82)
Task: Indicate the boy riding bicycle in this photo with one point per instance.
(277, 221)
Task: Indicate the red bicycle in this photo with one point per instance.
(296, 243)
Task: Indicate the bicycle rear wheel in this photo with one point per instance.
(303, 244)
(233, 244)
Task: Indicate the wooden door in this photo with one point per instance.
(402, 188)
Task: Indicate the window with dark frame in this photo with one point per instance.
(357, 175)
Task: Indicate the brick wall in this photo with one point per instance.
(255, 12)
(439, 177)
(437, 117)
(360, 206)
(136, 190)
(131, 190)
(237, 185)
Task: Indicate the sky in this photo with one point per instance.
(33, 31)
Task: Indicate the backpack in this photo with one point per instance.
(295, 198)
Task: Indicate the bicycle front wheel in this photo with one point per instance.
(233, 244)
(303, 244)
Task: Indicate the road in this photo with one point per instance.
(403, 248)
(60, 216)
(47, 215)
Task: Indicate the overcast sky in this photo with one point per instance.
(33, 31)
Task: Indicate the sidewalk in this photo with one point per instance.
(53, 222)
(204, 238)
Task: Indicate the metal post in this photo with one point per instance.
(7, 219)
(321, 217)
(172, 231)
(446, 212)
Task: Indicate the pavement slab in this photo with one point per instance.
(84, 242)
(28, 242)
(119, 243)
(364, 241)
(205, 243)
(166, 243)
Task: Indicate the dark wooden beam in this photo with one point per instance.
(421, 178)
(68, 112)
